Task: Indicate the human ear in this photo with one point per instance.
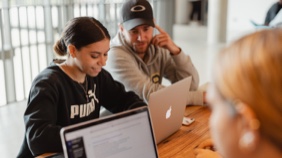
(120, 27)
(249, 136)
(72, 50)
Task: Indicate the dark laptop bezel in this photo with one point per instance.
(109, 118)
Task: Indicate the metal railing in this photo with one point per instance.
(28, 30)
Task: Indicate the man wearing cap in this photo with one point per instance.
(140, 60)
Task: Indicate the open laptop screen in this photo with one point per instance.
(167, 106)
(128, 134)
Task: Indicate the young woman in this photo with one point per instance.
(74, 90)
(245, 98)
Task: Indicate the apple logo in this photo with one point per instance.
(168, 113)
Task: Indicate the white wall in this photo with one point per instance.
(240, 12)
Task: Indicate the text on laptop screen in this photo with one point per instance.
(119, 138)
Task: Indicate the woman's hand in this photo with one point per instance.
(206, 150)
(207, 144)
(206, 153)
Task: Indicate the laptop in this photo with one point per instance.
(126, 134)
(167, 107)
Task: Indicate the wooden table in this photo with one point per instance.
(182, 143)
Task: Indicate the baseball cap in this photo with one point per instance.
(135, 13)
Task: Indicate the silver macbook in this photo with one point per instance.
(127, 134)
(167, 108)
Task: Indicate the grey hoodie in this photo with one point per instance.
(146, 77)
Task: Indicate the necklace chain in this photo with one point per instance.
(82, 85)
(85, 88)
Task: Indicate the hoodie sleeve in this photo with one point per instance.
(180, 66)
(114, 96)
(42, 133)
(126, 69)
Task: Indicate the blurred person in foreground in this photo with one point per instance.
(245, 99)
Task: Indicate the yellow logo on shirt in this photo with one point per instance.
(156, 78)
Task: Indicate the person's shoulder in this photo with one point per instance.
(52, 73)
(104, 73)
(118, 49)
(103, 77)
(120, 52)
(49, 79)
(51, 70)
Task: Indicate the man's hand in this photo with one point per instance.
(163, 40)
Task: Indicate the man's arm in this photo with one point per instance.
(124, 68)
(179, 65)
(114, 97)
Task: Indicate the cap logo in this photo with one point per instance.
(138, 8)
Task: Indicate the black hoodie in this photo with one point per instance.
(55, 101)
